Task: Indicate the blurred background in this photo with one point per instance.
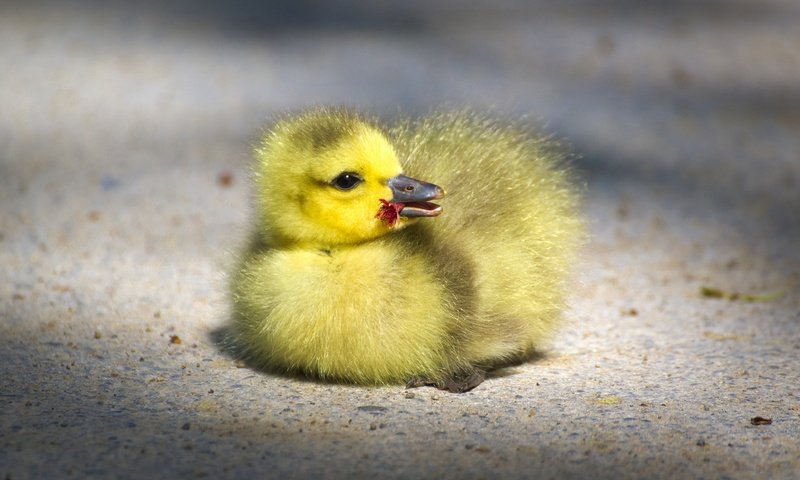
(693, 95)
(125, 138)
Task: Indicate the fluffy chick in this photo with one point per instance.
(335, 290)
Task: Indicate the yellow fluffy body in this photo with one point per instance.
(330, 291)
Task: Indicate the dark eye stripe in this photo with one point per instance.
(347, 181)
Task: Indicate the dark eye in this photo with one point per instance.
(347, 181)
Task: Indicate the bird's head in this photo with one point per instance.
(330, 178)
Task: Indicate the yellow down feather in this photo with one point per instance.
(330, 291)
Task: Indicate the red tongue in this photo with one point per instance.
(389, 212)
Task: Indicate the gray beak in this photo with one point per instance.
(415, 194)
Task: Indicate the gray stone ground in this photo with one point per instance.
(116, 122)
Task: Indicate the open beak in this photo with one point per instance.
(415, 195)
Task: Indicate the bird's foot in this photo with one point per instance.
(454, 384)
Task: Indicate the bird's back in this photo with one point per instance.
(510, 227)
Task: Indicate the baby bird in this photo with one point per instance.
(352, 278)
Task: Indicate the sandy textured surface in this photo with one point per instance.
(119, 130)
